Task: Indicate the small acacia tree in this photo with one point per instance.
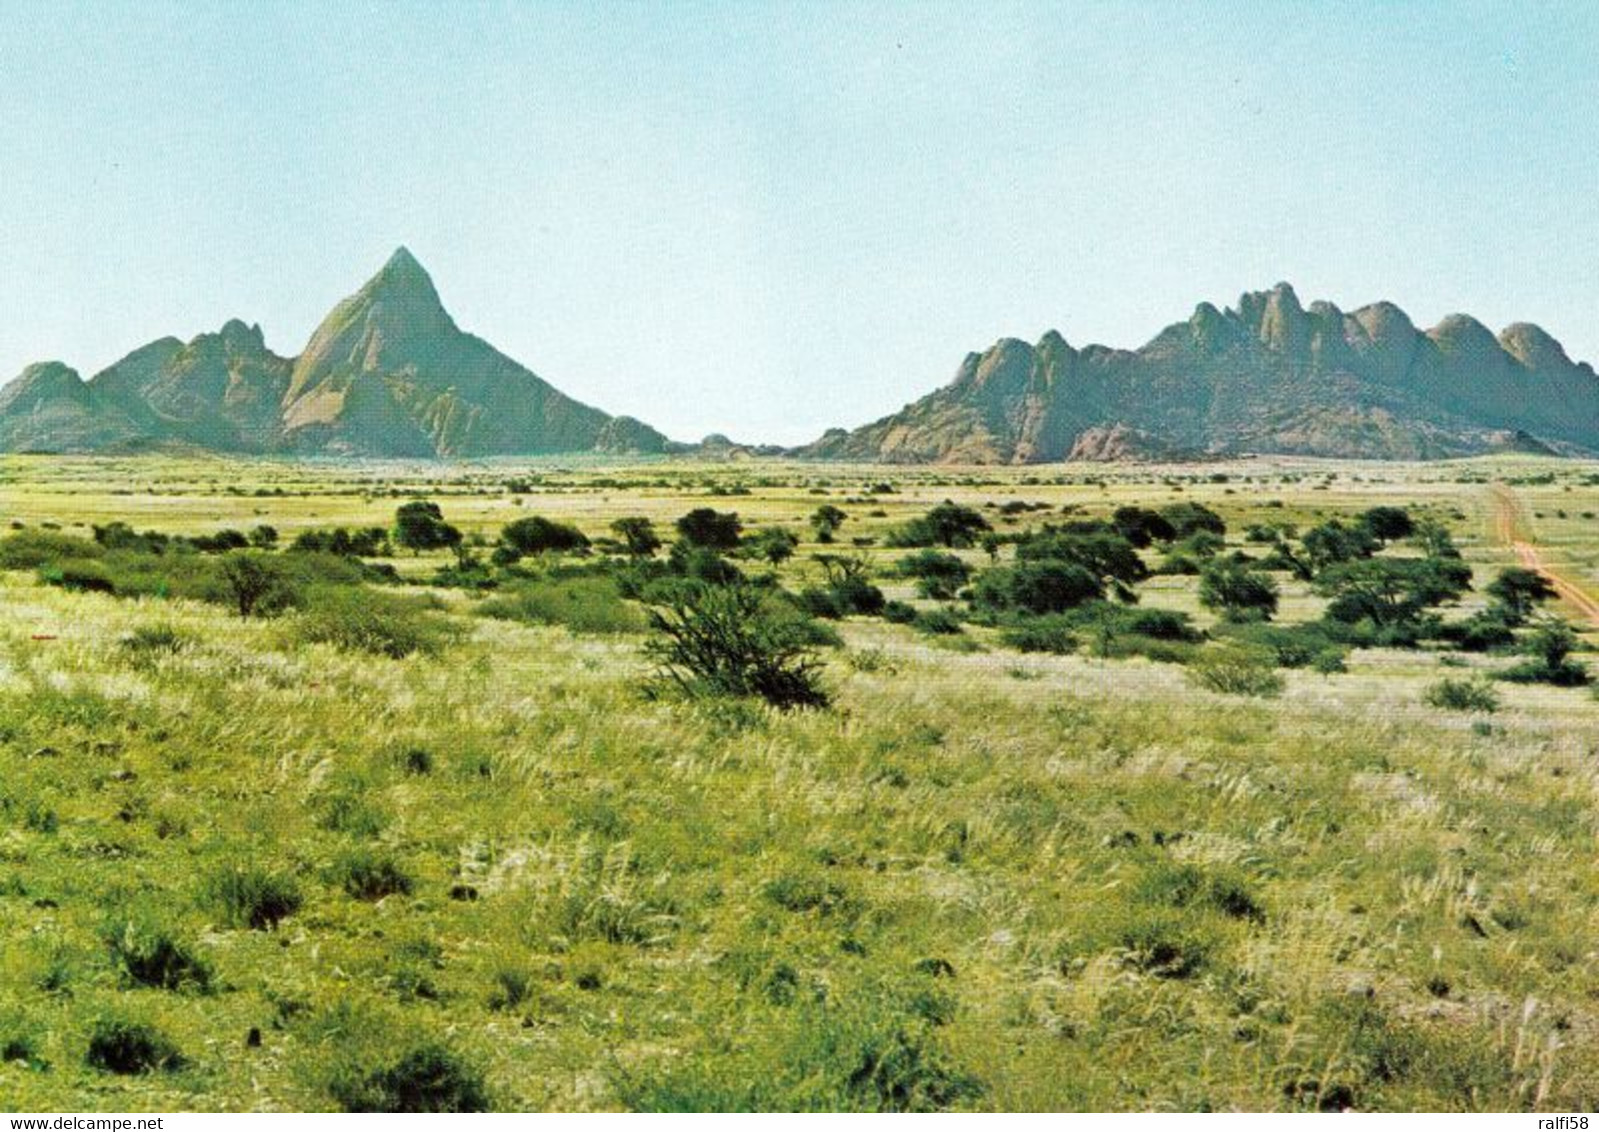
(1237, 593)
(419, 525)
(638, 535)
(1388, 523)
(1519, 592)
(538, 535)
(736, 640)
(938, 575)
(775, 544)
(256, 581)
(714, 530)
(826, 520)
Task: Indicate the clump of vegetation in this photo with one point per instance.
(1236, 592)
(367, 874)
(589, 603)
(247, 896)
(1462, 695)
(538, 535)
(1042, 634)
(258, 583)
(150, 954)
(825, 522)
(1190, 886)
(709, 529)
(125, 1045)
(736, 641)
(365, 542)
(846, 591)
(1037, 588)
(775, 545)
(949, 525)
(1236, 671)
(420, 526)
(1164, 945)
(1550, 645)
(636, 535)
(155, 640)
(429, 1077)
(361, 620)
(1292, 646)
(938, 575)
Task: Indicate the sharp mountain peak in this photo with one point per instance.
(386, 373)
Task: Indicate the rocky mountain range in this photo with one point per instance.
(388, 374)
(1266, 376)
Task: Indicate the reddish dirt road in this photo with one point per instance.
(1510, 523)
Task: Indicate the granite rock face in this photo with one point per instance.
(1267, 375)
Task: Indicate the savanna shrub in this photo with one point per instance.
(1462, 695)
(736, 641)
(1236, 672)
(1041, 634)
(538, 535)
(937, 623)
(362, 620)
(584, 604)
(151, 640)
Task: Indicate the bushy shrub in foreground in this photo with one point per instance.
(1234, 671)
(1462, 695)
(736, 641)
(364, 620)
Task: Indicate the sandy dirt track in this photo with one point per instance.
(1510, 524)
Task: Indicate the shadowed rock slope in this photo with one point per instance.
(387, 374)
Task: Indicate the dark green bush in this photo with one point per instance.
(938, 575)
(150, 640)
(538, 535)
(1036, 587)
(1165, 946)
(899, 612)
(33, 549)
(1042, 634)
(426, 1078)
(736, 641)
(949, 524)
(710, 529)
(1462, 695)
(78, 576)
(1290, 646)
(1190, 886)
(937, 623)
(127, 1046)
(806, 892)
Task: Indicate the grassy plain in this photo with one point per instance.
(982, 879)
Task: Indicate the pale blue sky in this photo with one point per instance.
(766, 219)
